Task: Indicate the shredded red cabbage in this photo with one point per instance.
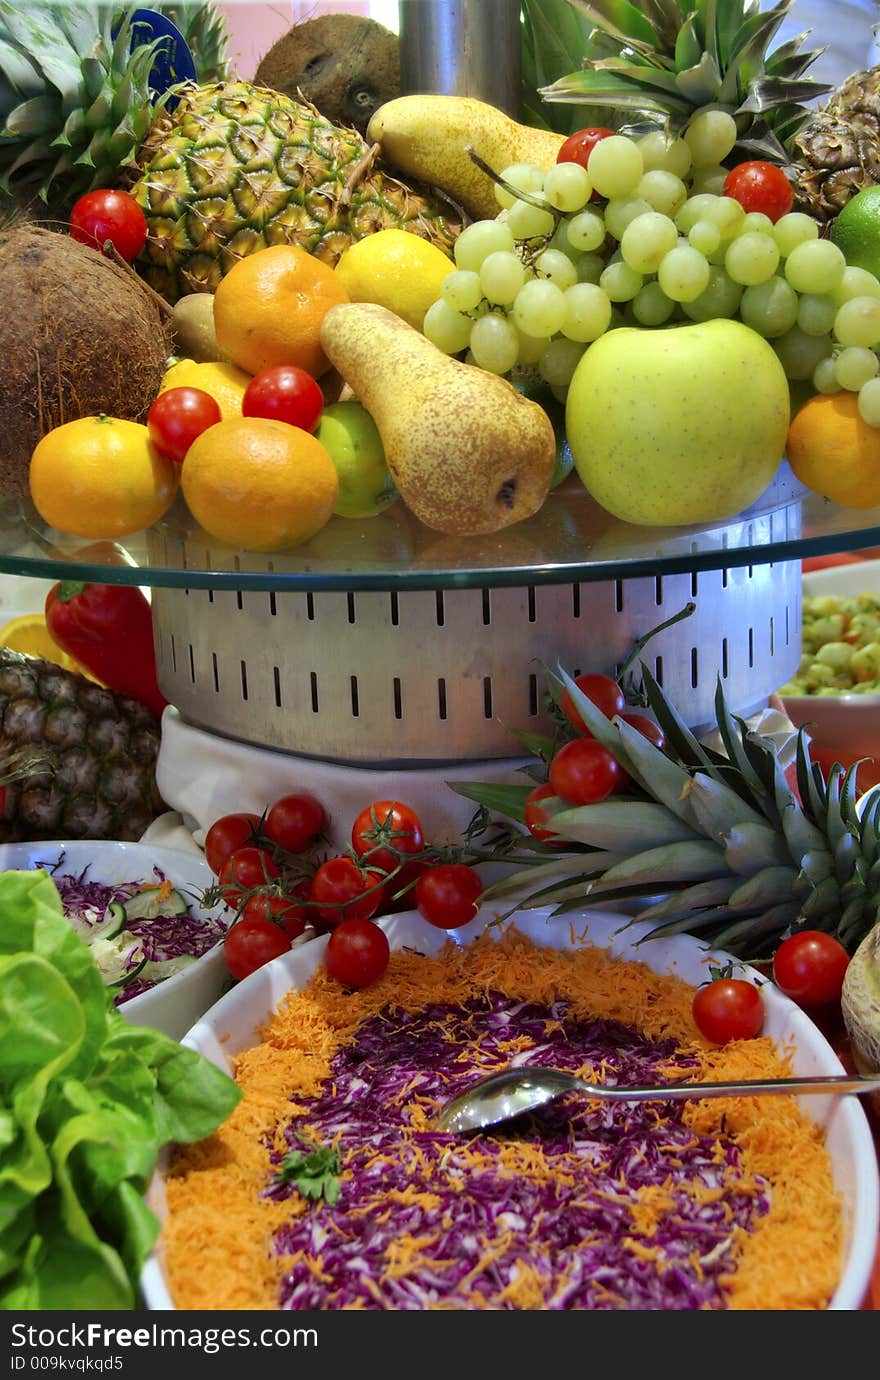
(485, 1227)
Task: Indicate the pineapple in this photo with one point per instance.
(837, 153)
(226, 169)
(738, 860)
(76, 760)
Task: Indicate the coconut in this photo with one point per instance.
(860, 1006)
(78, 336)
(347, 66)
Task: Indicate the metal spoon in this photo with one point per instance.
(502, 1096)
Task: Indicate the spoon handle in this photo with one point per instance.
(835, 1083)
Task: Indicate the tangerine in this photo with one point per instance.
(226, 383)
(100, 477)
(269, 307)
(259, 484)
(833, 450)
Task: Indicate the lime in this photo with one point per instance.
(856, 231)
(352, 439)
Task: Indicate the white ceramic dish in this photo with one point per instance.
(171, 1006)
(234, 1023)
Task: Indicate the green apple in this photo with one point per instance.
(352, 439)
(681, 425)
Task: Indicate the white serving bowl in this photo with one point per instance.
(234, 1025)
(175, 1004)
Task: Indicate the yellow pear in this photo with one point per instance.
(428, 137)
(468, 453)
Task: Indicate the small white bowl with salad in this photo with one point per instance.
(139, 908)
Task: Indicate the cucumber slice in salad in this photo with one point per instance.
(119, 959)
(154, 901)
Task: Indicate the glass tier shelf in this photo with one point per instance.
(571, 539)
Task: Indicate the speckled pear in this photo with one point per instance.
(468, 453)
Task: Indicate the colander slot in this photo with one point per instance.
(276, 676)
(210, 596)
(353, 682)
(751, 647)
(398, 700)
(533, 696)
(215, 671)
(173, 654)
(618, 596)
(487, 608)
(531, 595)
(658, 670)
(772, 638)
(725, 576)
(658, 590)
(695, 669)
(192, 664)
(310, 607)
(352, 614)
(273, 607)
(440, 608)
(441, 698)
(313, 690)
(239, 602)
(487, 697)
(694, 583)
(395, 611)
(725, 664)
(244, 684)
(787, 626)
(575, 601)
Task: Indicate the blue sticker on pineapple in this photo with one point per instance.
(173, 62)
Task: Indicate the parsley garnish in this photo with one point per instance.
(315, 1174)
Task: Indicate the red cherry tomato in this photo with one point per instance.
(295, 821)
(177, 417)
(357, 953)
(251, 943)
(447, 895)
(109, 215)
(245, 870)
(809, 967)
(284, 394)
(345, 891)
(760, 186)
(225, 835)
(648, 729)
(728, 1009)
(383, 830)
(284, 911)
(578, 146)
(604, 692)
(536, 818)
(584, 772)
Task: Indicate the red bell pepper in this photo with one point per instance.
(108, 629)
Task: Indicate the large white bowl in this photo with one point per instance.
(175, 1004)
(234, 1024)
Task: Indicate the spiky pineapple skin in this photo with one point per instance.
(235, 168)
(93, 752)
(837, 154)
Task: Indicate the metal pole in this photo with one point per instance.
(463, 48)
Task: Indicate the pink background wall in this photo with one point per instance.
(254, 26)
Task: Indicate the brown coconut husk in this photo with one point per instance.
(78, 336)
(346, 65)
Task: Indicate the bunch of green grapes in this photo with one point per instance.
(645, 236)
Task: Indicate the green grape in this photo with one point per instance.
(815, 266)
(556, 266)
(647, 239)
(445, 328)
(694, 209)
(793, 229)
(856, 282)
(825, 378)
(559, 361)
(756, 223)
(709, 179)
(501, 276)
(663, 191)
(869, 402)
(704, 236)
(854, 366)
(710, 136)
(539, 308)
(651, 306)
(620, 282)
(526, 177)
(799, 353)
(721, 298)
(683, 274)
(621, 210)
(770, 308)
(531, 347)
(461, 290)
(728, 214)
(590, 267)
(585, 231)
(615, 166)
(587, 312)
(477, 241)
(858, 321)
(526, 222)
(752, 258)
(658, 150)
(567, 187)
(495, 343)
(816, 313)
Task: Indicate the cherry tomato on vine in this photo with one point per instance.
(760, 186)
(357, 953)
(286, 911)
(446, 896)
(382, 828)
(345, 891)
(648, 729)
(809, 967)
(109, 215)
(177, 417)
(584, 772)
(284, 393)
(295, 821)
(728, 1009)
(244, 870)
(535, 816)
(225, 835)
(252, 942)
(604, 692)
(578, 146)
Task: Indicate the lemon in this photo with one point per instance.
(226, 383)
(29, 634)
(856, 231)
(396, 269)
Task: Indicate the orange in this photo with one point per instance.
(226, 383)
(259, 484)
(835, 452)
(29, 634)
(269, 307)
(100, 477)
